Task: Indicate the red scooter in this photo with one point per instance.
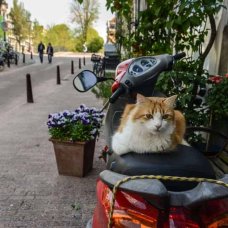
(179, 189)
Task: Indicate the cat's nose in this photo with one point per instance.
(158, 126)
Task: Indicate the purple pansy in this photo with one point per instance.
(88, 118)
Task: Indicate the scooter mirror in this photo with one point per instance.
(84, 81)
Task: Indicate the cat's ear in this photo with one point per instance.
(140, 98)
(171, 101)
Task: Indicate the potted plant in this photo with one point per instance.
(217, 101)
(73, 134)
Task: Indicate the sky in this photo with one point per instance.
(52, 12)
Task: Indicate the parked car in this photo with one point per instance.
(111, 56)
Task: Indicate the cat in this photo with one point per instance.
(149, 126)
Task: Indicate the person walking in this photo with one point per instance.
(41, 49)
(50, 52)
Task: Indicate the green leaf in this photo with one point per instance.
(157, 11)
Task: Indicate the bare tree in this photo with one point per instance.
(84, 15)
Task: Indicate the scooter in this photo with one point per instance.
(179, 189)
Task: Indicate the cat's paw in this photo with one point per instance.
(184, 142)
(119, 149)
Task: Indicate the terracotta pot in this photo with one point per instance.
(74, 158)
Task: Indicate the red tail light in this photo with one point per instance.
(131, 210)
(180, 217)
(214, 214)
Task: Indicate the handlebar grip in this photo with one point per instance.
(179, 56)
(116, 94)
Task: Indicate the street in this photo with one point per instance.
(13, 81)
(32, 194)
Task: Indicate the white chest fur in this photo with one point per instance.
(138, 138)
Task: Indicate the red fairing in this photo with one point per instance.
(100, 216)
(123, 66)
(116, 84)
(121, 69)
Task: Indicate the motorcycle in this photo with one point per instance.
(179, 189)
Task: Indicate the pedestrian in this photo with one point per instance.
(50, 52)
(41, 49)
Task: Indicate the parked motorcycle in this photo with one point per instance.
(179, 189)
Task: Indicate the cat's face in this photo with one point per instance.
(156, 115)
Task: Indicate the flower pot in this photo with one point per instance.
(221, 126)
(74, 158)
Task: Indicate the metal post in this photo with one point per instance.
(23, 57)
(72, 67)
(79, 64)
(8, 60)
(84, 61)
(29, 89)
(16, 59)
(58, 76)
(31, 55)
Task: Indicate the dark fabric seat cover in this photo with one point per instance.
(184, 161)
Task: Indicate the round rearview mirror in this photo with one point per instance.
(85, 81)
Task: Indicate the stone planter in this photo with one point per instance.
(74, 158)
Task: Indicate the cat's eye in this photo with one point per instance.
(166, 116)
(149, 116)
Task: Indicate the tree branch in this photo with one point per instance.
(212, 38)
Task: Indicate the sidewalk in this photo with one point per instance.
(32, 194)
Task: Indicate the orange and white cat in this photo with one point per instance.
(149, 126)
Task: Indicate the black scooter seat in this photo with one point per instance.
(184, 161)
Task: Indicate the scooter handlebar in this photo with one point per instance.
(117, 93)
(165, 63)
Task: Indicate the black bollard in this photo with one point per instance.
(72, 67)
(31, 55)
(23, 57)
(29, 89)
(16, 59)
(79, 63)
(8, 60)
(84, 61)
(58, 76)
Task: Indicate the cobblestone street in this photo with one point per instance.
(32, 194)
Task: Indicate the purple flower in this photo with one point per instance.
(85, 121)
(89, 119)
